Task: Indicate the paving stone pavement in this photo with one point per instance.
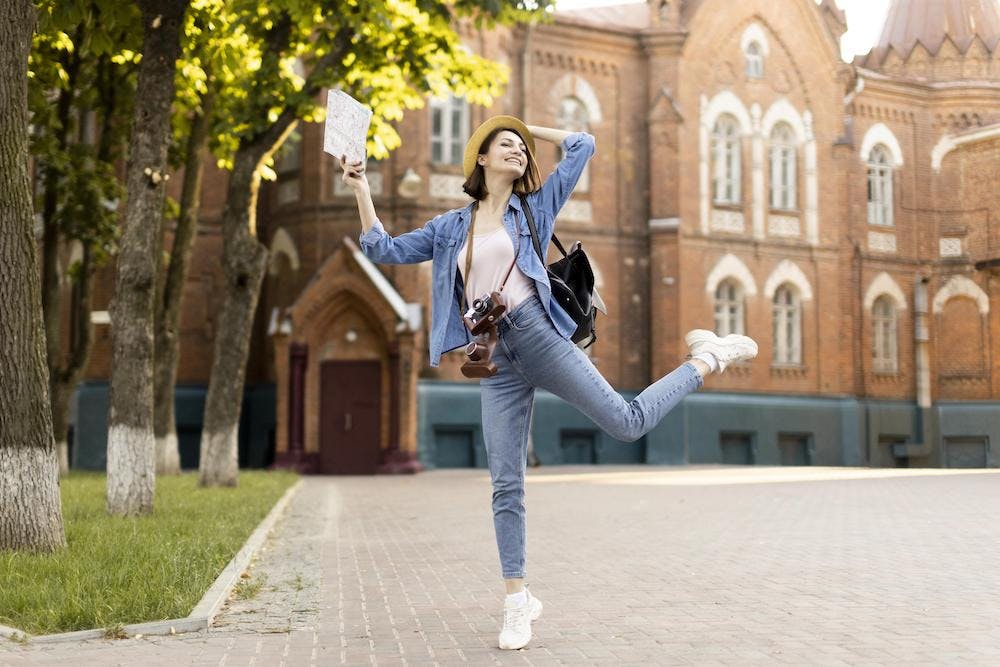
(636, 565)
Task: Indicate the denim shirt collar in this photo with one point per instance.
(465, 213)
(514, 202)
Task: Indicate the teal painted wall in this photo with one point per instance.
(88, 450)
(971, 420)
(450, 434)
(711, 427)
(756, 428)
(763, 420)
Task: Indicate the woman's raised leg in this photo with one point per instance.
(570, 375)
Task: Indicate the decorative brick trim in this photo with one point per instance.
(879, 133)
(883, 283)
(961, 286)
(730, 266)
(788, 271)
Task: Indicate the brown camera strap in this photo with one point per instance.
(468, 256)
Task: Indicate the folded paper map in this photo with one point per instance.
(347, 123)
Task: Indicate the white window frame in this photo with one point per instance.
(755, 60)
(885, 327)
(728, 308)
(727, 157)
(452, 119)
(784, 174)
(880, 186)
(787, 316)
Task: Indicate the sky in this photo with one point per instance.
(864, 21)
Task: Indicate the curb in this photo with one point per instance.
(205, 611)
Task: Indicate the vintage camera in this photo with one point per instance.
(481, 320)
(485, 312)
(480, 355)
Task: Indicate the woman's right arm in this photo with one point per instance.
(408, 248)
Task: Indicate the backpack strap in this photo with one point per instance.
(534, 230)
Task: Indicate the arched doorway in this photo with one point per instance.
(345, 364)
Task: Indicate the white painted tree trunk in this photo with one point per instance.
(31, 517)
(168, 458)
(131, 470)
(219, 457)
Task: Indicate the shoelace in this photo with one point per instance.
(513, 617)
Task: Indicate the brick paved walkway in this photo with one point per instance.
(638, 565)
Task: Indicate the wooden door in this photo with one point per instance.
(350, 393)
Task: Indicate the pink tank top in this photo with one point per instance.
(491, 257)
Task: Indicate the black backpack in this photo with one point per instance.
(572, 282)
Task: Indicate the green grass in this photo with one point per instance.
(117, 571)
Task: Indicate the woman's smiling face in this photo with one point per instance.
(507, 154)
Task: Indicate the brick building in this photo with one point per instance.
(746, 179)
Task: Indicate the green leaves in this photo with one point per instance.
(390, 54)
(89, 196)
(265, 63)
(81, 84)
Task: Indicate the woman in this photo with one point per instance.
(533, 350)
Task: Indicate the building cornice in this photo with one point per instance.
(660, 41)
(577, 23)
(608, 36)
(922, 96)
(923, 89)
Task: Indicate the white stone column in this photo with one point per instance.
(757, 173)
(812, 185)
(703, 183)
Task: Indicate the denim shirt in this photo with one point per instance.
(443, 236)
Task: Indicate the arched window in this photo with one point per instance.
(573, 117)
(787, 325)
(755, 61)
(879, 186)
(449, 130)
(287, 164)
(783, 169)
(728, 308)
(726, 156)
(884, 328)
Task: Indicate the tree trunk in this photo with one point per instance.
(131, 446)
(244, 262)
(168, 309)
(31, 516)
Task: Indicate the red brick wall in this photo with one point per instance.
(649, 88)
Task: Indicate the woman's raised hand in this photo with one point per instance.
(354, 175)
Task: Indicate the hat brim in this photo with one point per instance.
(479, 136)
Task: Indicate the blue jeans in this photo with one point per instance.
(531, 354)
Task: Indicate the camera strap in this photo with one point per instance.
(468, 256)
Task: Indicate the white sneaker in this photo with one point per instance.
(517, 620)
(726, 350)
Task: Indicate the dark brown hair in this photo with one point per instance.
(530, 181)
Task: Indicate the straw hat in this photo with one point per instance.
(479, 136)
